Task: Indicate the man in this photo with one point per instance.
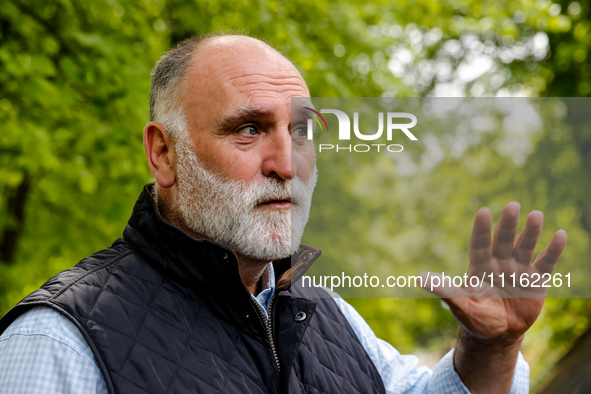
(195, 297)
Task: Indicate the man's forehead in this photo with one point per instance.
(238, 73)
(239, 61)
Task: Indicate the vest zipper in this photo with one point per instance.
(268, 328)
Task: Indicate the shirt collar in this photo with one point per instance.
(268, 289)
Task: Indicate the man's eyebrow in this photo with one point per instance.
(303, 110)
(241, 115)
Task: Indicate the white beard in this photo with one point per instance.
(225, 211)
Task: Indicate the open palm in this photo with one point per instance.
(495, 308)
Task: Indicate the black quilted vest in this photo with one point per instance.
(165, 313)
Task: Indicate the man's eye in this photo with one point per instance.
(300, 132)
(248, 130)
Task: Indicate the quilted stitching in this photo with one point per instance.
(221, 348)
(192, 342)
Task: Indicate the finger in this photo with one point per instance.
(547, 259)
(480, 250)
(527, 240)
(502, 245)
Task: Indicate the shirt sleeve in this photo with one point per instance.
(43, 352)
(402, 373)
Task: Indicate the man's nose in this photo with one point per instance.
(277, 156)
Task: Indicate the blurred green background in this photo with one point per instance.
(74, 81)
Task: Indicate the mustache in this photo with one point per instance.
(271, 190)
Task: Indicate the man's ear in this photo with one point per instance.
(159, 148)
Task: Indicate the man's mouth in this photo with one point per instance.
(280, 203)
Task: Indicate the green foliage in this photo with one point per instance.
(74, 78)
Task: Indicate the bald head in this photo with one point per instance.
(202, 59)
(236, 44)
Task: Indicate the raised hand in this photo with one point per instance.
(495, 314)
(495, 308)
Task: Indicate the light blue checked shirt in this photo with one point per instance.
(43, 352)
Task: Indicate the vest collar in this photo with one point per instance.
(203, 266)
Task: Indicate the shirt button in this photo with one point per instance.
(307, 256)
(300, 316)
